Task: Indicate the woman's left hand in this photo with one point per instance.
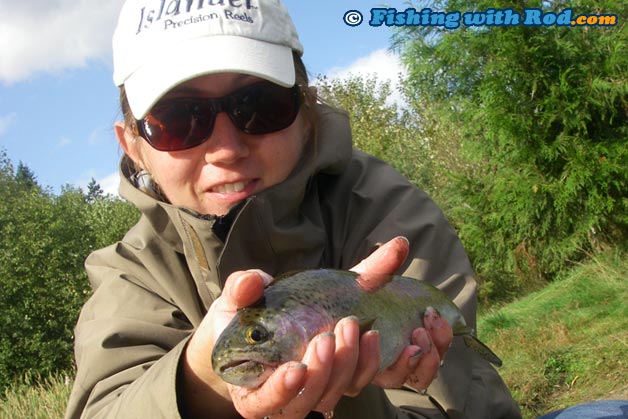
(418, 364)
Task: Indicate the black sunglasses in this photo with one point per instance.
(181, 123)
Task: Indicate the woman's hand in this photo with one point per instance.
(337, 364)
(203, 393)
(418, 364)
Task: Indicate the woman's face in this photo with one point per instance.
(230, 166)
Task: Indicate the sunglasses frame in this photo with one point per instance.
(224, 104)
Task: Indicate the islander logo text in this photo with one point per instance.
(168, 9)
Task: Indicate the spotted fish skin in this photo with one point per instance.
(300, 305)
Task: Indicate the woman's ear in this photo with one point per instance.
(128, 141)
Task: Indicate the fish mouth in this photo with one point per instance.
(244, 364)
(246, 372)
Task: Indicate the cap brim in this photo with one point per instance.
(206, 55)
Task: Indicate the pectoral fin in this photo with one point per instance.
(483, 350)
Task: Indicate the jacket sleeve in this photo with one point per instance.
(128, 341)
(383, 205)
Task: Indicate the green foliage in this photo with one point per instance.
(25, 177)
(541, 116)
(567, 343)
(379, 127)
(94, 191)
(109, 218)
(44, 240)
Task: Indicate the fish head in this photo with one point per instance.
(254, 344)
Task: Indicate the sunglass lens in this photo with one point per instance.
(264, 108)
(178, 124)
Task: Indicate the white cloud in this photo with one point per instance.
(383, 64)
(85, 178)
(64, 142)
(52, 35)
(6, 121)
(110, 183)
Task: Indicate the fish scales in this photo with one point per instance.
(298, 306)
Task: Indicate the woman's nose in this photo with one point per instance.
(227, 143)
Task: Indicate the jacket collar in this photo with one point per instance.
(277, 209)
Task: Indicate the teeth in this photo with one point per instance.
(231, 187)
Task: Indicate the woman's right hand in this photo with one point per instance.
(203, 393)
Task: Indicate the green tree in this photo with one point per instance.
(41, 253)
(94, 191)
(25, 177)
(379, 126)
(109, 218)
(44, 240)
(541, 115)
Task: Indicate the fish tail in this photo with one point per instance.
(483, 350)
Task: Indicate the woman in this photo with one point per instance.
(240, 175)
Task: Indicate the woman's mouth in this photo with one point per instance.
(231, 187)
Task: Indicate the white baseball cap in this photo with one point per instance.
(159, 44)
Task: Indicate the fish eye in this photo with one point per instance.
(256, 334)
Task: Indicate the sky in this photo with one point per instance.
(58, 102)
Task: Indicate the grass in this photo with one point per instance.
(563, 345)
(46, 400)
(567, 343)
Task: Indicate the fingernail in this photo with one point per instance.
(348, 333)
(325, 350)
(421, 338)
(417, 353)
(266, 278)
(433, 318)
(413, 361)
(372, 333)
(431, 313)
(293, 378)
(373, 336)
(403, 238)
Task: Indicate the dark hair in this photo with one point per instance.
(309, 93)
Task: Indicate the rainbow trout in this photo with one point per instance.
(298, 306)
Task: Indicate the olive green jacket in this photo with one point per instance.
(152, 289)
